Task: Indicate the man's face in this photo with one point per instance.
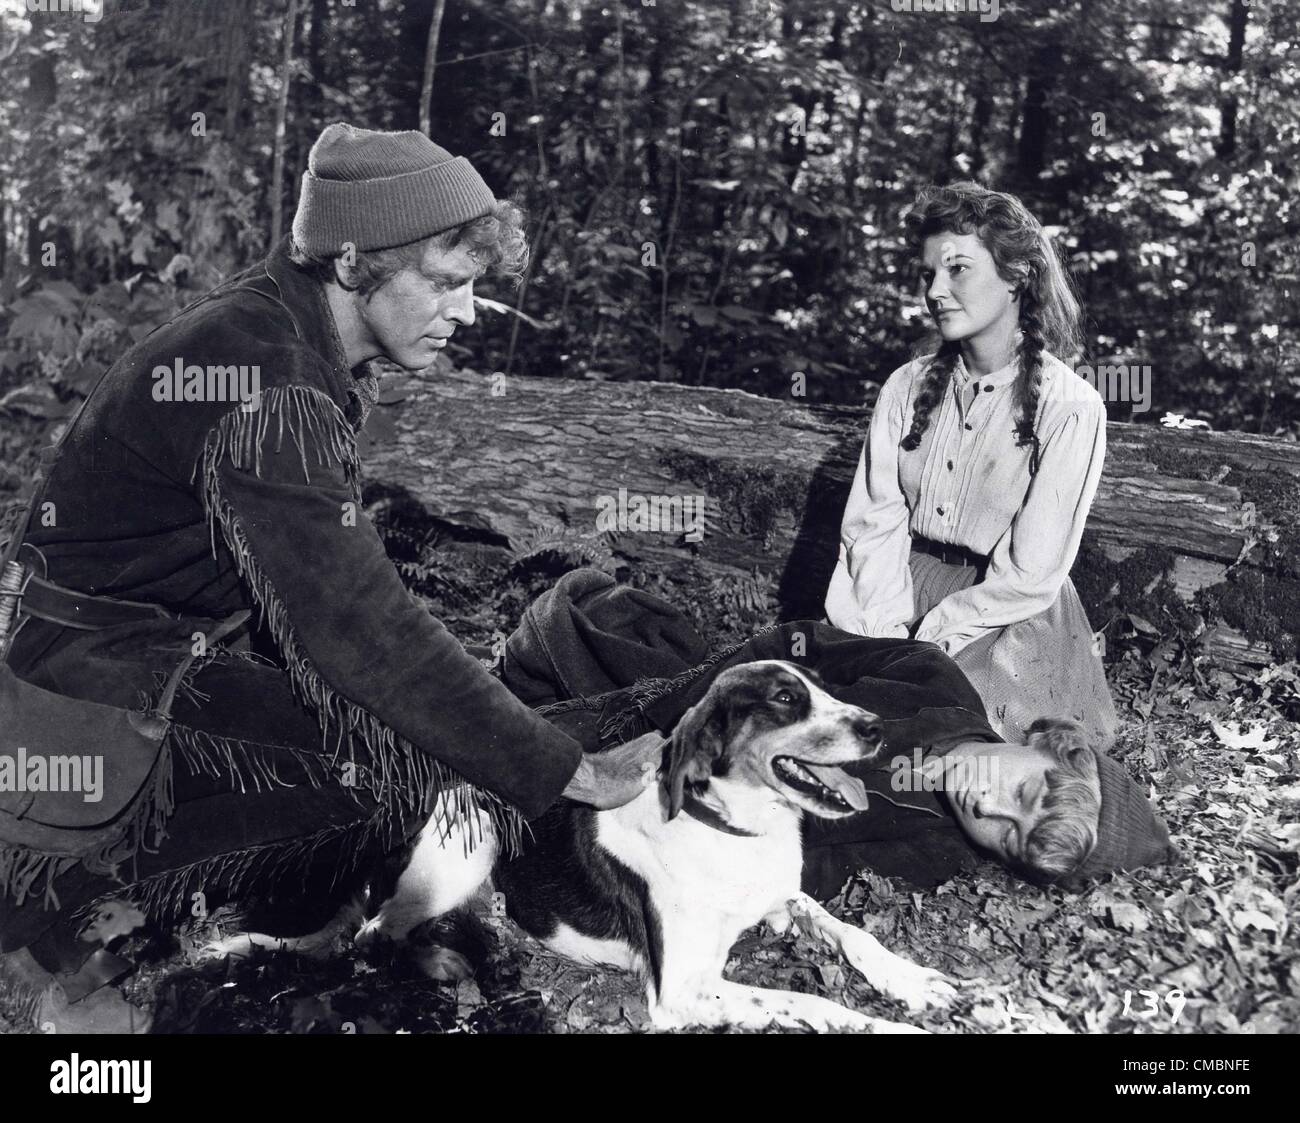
(411, 317)
(996, 791)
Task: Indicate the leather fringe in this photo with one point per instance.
(402, 779)
(166, 896)
(145, 829)
(21, 868)
(245, 763)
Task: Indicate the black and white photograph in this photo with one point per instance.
(651, 518)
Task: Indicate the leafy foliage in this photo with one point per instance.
(716, 186)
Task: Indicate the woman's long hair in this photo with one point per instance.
(1049, 310)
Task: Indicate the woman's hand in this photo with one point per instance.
(617, 776)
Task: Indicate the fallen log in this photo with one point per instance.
(1192, 535)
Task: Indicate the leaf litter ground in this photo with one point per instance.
(1206, 944)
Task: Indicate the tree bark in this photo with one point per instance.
(1190, 530)
(1226, 147)
(281, 118)
(318, 66)
(430, 61)
(981, 115)
(1035, 118)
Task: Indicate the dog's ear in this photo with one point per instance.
(698, 741)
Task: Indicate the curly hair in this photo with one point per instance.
(496, 241)
(1067, 832)
(1024, 257)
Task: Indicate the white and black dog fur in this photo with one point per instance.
(665, 884)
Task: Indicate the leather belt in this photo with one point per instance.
(48, 601)
(948, 553)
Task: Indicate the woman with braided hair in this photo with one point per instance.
(978, 471)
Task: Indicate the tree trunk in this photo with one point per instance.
(1226, 146)
(981, 115)
(430, 60)
(1192, 533)
(318, 66)
(281, 117)
(656, 111)
(1035, 118)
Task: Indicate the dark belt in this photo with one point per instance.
(47, 601)
(952, 555)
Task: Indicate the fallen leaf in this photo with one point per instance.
(832, 975)
(1130, 918)
(1253, 918)
(1234, 737)
(990, 1017)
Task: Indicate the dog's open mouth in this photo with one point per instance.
(829, 784)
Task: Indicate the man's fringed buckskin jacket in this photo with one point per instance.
(207, 507)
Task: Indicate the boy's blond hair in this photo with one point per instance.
(1067, 832)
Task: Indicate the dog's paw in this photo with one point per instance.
(916, 987)
(371, 935)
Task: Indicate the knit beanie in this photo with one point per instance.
(1129, 833)
(376, 190)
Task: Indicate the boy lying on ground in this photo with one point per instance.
(605, 662)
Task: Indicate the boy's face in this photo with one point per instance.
(996, 791)
(411, 317)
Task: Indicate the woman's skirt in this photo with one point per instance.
(1041, 667)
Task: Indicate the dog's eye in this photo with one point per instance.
(783, 696)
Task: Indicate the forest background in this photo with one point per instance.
(715, 187)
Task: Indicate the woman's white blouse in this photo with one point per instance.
(968, 485)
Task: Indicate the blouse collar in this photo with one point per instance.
(1000, 377)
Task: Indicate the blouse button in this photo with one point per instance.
(988, 389)
(969, 425)
(939, 509)
(950, 465)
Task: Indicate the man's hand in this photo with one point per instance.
(617, 776)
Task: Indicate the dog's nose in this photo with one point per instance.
(867, 730)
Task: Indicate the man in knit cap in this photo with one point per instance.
(328, 731)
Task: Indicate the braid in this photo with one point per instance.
(1031, 373)
(938, 374)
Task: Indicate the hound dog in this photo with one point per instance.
(665, 884)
